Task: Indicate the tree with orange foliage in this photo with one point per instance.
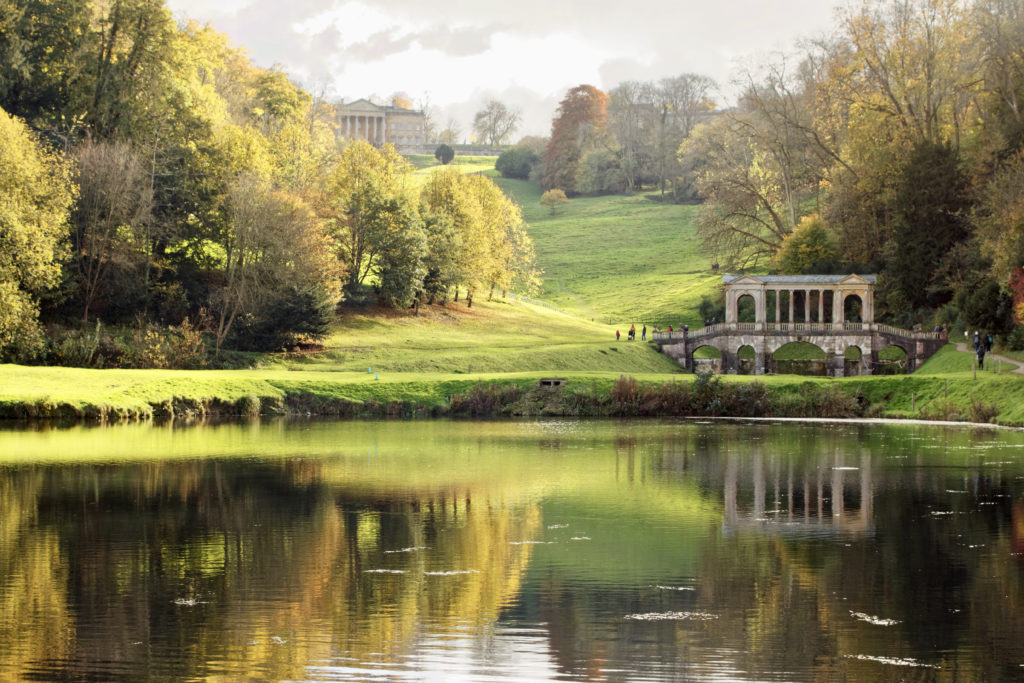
(578, 127)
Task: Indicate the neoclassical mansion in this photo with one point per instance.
(380, 124)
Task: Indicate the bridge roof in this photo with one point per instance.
(801, 279)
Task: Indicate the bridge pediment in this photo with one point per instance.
(746, 281)
(855, 279)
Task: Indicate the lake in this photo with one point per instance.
(512, 550)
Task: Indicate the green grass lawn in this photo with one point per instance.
(426, 164)
(619, 260)
(495, 336)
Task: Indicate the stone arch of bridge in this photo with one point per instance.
(902, 346)
(697, 360)
(773, 345)
(862, 351)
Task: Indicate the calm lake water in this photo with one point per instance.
(532, 550)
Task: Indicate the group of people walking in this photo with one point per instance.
(982, 345)
(631, 335)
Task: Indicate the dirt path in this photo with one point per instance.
(1018, 371)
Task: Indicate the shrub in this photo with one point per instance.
(517, 162)
(553, 199)
(284, 319)
(625, 396)
(1015, 339)
(982, 411)
(486, 399)
(444, 154)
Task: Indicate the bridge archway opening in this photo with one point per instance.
(746, 309)
(799, 358)
(852, 359)
(745, 358)
(828, 308)
(853, 309)
(892, 360)
(707, 358)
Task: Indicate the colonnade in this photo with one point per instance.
(838, 304)
(365, 127)
(799, 288)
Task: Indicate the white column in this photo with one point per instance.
(790, 303)
(821, 305)
(778, 307)
(348, 127)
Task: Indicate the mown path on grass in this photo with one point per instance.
(1018, 369)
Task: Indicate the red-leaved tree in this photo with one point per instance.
(579, 125)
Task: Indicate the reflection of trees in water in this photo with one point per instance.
(34, 619)
(816, 525)
(785, 599)
(239, 569)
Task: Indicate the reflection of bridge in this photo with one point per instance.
(824, 497)
(832, 338)
(806, 308)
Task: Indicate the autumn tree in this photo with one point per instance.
(476, 236)
(998, 26)
(33, 231)
(275, 246)
(579, 125)
(746, 216)
(553, 199)
(681, 102)
(1000, 218)
(632, 113)
(110, 218)
(369, 203)
(809, 244)
(495, 123)
(42, 71)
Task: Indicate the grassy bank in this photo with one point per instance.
(136, 394)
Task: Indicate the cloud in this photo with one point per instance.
(459, 42)
(533, 50)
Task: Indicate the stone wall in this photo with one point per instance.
(460, 150)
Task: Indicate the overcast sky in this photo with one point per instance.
(456, 54)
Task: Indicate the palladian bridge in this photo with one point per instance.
(833, 312)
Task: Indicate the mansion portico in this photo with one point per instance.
(380, 124)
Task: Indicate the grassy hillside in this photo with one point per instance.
(618, 260)
(495, 336)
